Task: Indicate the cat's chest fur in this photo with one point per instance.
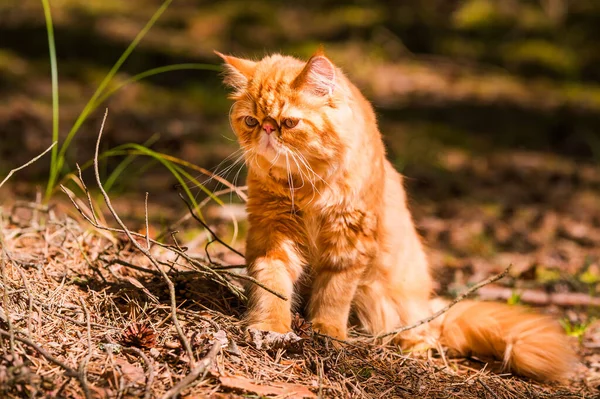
(312, 226)
(337, 230)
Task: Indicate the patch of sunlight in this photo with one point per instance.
(476, 15)
(542, 53)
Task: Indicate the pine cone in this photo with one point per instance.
(301, 327)
(139, 335)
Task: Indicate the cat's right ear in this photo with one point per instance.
(238, 71)
(317, 76)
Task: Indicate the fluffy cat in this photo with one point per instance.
(329, 222)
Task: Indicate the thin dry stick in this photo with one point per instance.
(3, 257)
(84, 363)
(487, 388)
(215, 269)
(218, 239)
(205, 225)
(87, 192)
(149, 369)
(449, 306)
(146, 218)
(200, 369)
(195, 262)
(202, 204)
(70, 371)
(15, 170)
(255, 282)
(29, 296)
(171, 286)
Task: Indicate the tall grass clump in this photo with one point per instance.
(58, 166)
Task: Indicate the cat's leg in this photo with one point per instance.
(275, 260)
(346, 247)
(332, 294)
(375, 308)
(382, 307)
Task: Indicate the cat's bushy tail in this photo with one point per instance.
(529, 344)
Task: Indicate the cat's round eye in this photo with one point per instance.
(290, 123)
(251, 121)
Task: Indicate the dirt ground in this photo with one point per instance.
(90, 314)
(500, 156)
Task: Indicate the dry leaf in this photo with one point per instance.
(301, 327)
(221, 336)
(133, 373)
(281, 389)
(136, 283)
(268, 340)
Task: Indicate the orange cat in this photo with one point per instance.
(328, 220)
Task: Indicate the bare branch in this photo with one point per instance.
(198, 372)
(184, 341)
(26, 164)
(84, 363)
(449, 306)
(149, 368)
(207, 227)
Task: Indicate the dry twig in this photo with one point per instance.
(197, 372)
(184, 341)
(449, 306)
(207, 227)
(149, 368)
(15, 170)
(86, 360)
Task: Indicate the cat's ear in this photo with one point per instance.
(238, 71)
(318, 75)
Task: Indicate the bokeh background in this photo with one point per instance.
(477, 75)
(491, 108)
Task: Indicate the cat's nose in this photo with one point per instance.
(269, 127)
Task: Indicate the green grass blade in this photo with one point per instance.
(92, 101)
(166, 163)
(175, 161)
(112, 178)
(157, 71)
(54, 75)
(167, 160)
(174, 165)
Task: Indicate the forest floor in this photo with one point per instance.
(85, 312)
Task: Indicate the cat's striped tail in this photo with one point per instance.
(529, 344)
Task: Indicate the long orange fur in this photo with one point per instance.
(329, 223)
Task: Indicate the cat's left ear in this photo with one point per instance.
(318, 75)
(239, 71)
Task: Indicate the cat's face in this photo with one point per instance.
(285, 112)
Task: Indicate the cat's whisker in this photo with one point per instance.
(225, 172)
(303, 160)
(213, 174)
(274, 161)
(255, 159)
(228, 158)
(311, 182)
(299, 170)
(235, 181)
(290, 180)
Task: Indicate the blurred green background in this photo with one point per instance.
(472, 77)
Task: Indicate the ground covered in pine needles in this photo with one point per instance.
(88, 311)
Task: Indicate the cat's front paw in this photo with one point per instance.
(281, 328)
(418, 340)
(329, 329)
